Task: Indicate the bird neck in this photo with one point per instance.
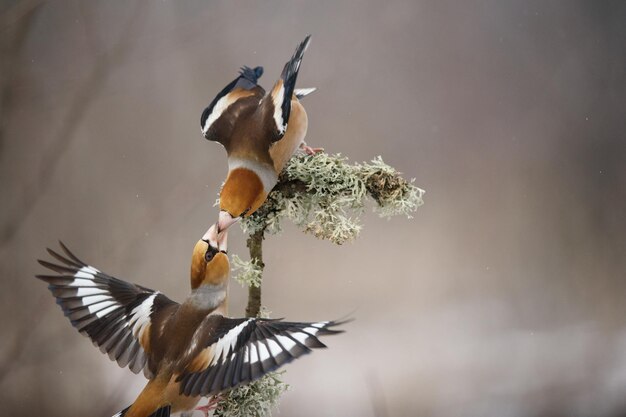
(207, 296)
(245, 190)
(264, 171)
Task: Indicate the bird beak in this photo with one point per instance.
(211, 236)
(221, 241)
(217, 234)
(225, 220)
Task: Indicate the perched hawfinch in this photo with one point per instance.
(186, 350)
(260, 132)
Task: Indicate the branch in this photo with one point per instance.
(320, 194)
(324, 195)
(255, 245)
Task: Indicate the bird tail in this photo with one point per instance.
(290, 71)
(284, 88)
(303, 92)
(161, 412)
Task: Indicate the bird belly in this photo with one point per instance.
(282, 151)
(179, 402)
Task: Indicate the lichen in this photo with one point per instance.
(255, 399)
(325, 195)
(249, 273)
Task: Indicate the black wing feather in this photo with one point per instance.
(111, 312)
(233, 342)
(220, 128)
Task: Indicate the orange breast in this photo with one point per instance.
(242, 192)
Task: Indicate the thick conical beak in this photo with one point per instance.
(225, 220)
(217, 234)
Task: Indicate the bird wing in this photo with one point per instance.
(277, 107)
(114, 314)
(237, 351)
(236, 100)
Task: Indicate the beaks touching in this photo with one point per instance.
(211, 236)
(225, 220)
(216, 240)
(217, 235)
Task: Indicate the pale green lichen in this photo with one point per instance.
(325, 195)
(264, 313)
(255, 399)
(249, 273)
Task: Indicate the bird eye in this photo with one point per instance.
(209, 254)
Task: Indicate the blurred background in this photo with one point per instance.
(505, 295)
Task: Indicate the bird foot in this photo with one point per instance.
(210, 406)
(309, 150)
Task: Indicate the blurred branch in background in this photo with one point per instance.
(377, 394)
(63, 138)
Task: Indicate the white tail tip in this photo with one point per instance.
(303, 92)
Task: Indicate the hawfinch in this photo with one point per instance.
(261, 132)
(187, 350)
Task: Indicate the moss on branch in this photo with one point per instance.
(253, 400)
(325, 195)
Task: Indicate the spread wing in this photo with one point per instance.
(242, 350)
(114, 314)
(236, 100)
(278, 107)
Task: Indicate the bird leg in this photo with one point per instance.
(210, 406)
(309, 150)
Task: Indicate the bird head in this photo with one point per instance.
(209, 266)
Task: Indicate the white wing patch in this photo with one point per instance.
(311, 330)
(107, 310)
(278, 110)
(263, 352)
(287, 343)
(246, 354)
(87, 273)
(303, 92)
(89, 290)
(254, 356)
(300, 337)
(275, 348)
(219, 108)
(140, 316)
(226, 345)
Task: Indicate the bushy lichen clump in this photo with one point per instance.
(249, 273)
(253, 400)
(325, 195)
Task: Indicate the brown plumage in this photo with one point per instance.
(186, 350)
(260, 133)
